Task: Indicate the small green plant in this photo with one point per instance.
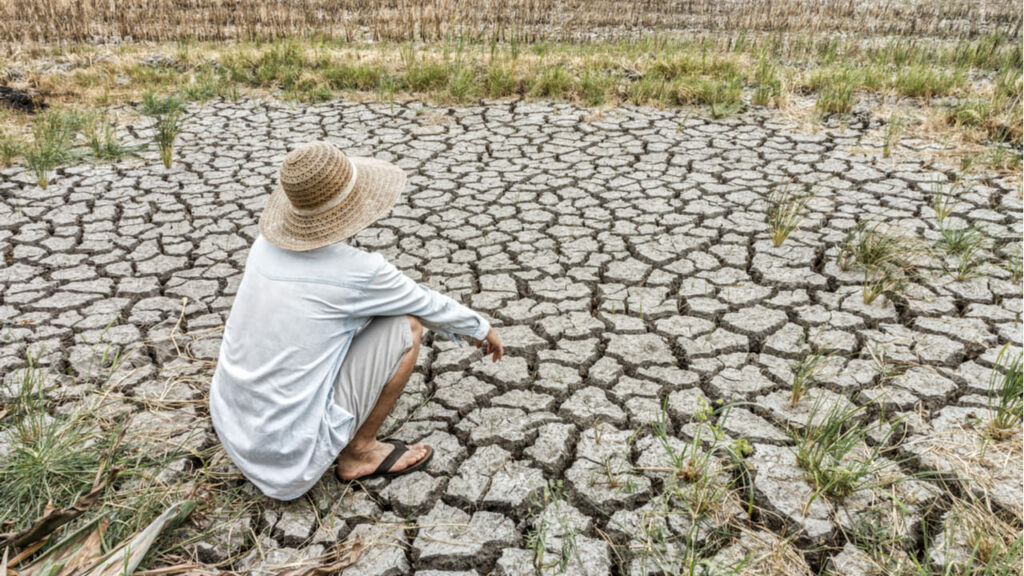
(769, 85)
(741, 448)
(888, 259)
(52, 137)
(695, 476)
(946, 197)
(205, 86)
(546, 532)
(1003, 157)
(1006, 394)
(803, 373)
(959, 241)
(501, 80)
(969, 112)
(462, 85)
(11, 146)
(785, 211)
(926, 81)
(1012, 261)
(967, 246)
(593, 88)
(280, 66)
(864, 245)
(882, 280)
(537, 540)
(893, 130)
(552, 81)
(101, 134)
(52, 459)
(832, 449)
(836, 92)
(387, 86)
(724, 97)
(421, 75)
(167, 112)
(652, 90)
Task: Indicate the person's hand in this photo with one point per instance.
(491, 344)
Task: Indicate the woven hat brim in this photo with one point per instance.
(377, 188)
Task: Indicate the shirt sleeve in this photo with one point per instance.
(391, 293)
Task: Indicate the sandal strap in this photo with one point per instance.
(396, 453)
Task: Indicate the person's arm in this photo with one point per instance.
(391, 293)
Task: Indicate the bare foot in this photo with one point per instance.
(354, 464)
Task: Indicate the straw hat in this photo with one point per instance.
(324, 197)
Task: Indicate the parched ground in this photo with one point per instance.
(625, 259)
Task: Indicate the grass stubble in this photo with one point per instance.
(966, 91)
(24, 21)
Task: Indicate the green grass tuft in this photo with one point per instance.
(724, 97)
(551, 81)
(966, 246)
(946, 197)
(167, 112)
(769, 85)
(832, 448)
(11, 146)
(52, 459)
(893, 131)
(785, 211)
(101, 134)
(462, 85)
(925, 81)
(804, 371)
(836, 91)
(52, 138)
(888, 259)
(1006, 394)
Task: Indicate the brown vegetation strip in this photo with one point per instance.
(91, 20)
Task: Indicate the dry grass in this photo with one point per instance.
(597, 53)
(89, 20)
(966, 454)
(761, 553)
(722, 71)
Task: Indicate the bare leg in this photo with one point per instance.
(364, 453)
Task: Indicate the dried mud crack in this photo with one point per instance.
(644, 410)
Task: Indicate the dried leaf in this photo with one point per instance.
(77, 550)
(126, 558)
(319, 570)
(26, 552)
(176, 569)
(88, 553)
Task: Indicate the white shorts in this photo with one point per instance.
(372, 360)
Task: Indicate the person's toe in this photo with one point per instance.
(417, 453)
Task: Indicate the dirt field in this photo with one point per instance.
(757, 267)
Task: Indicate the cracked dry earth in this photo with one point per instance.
(625, 260)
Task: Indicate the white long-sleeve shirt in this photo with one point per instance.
(293, 318)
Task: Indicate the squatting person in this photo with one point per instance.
(322, 337)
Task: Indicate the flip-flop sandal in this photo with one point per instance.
(400, 448)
